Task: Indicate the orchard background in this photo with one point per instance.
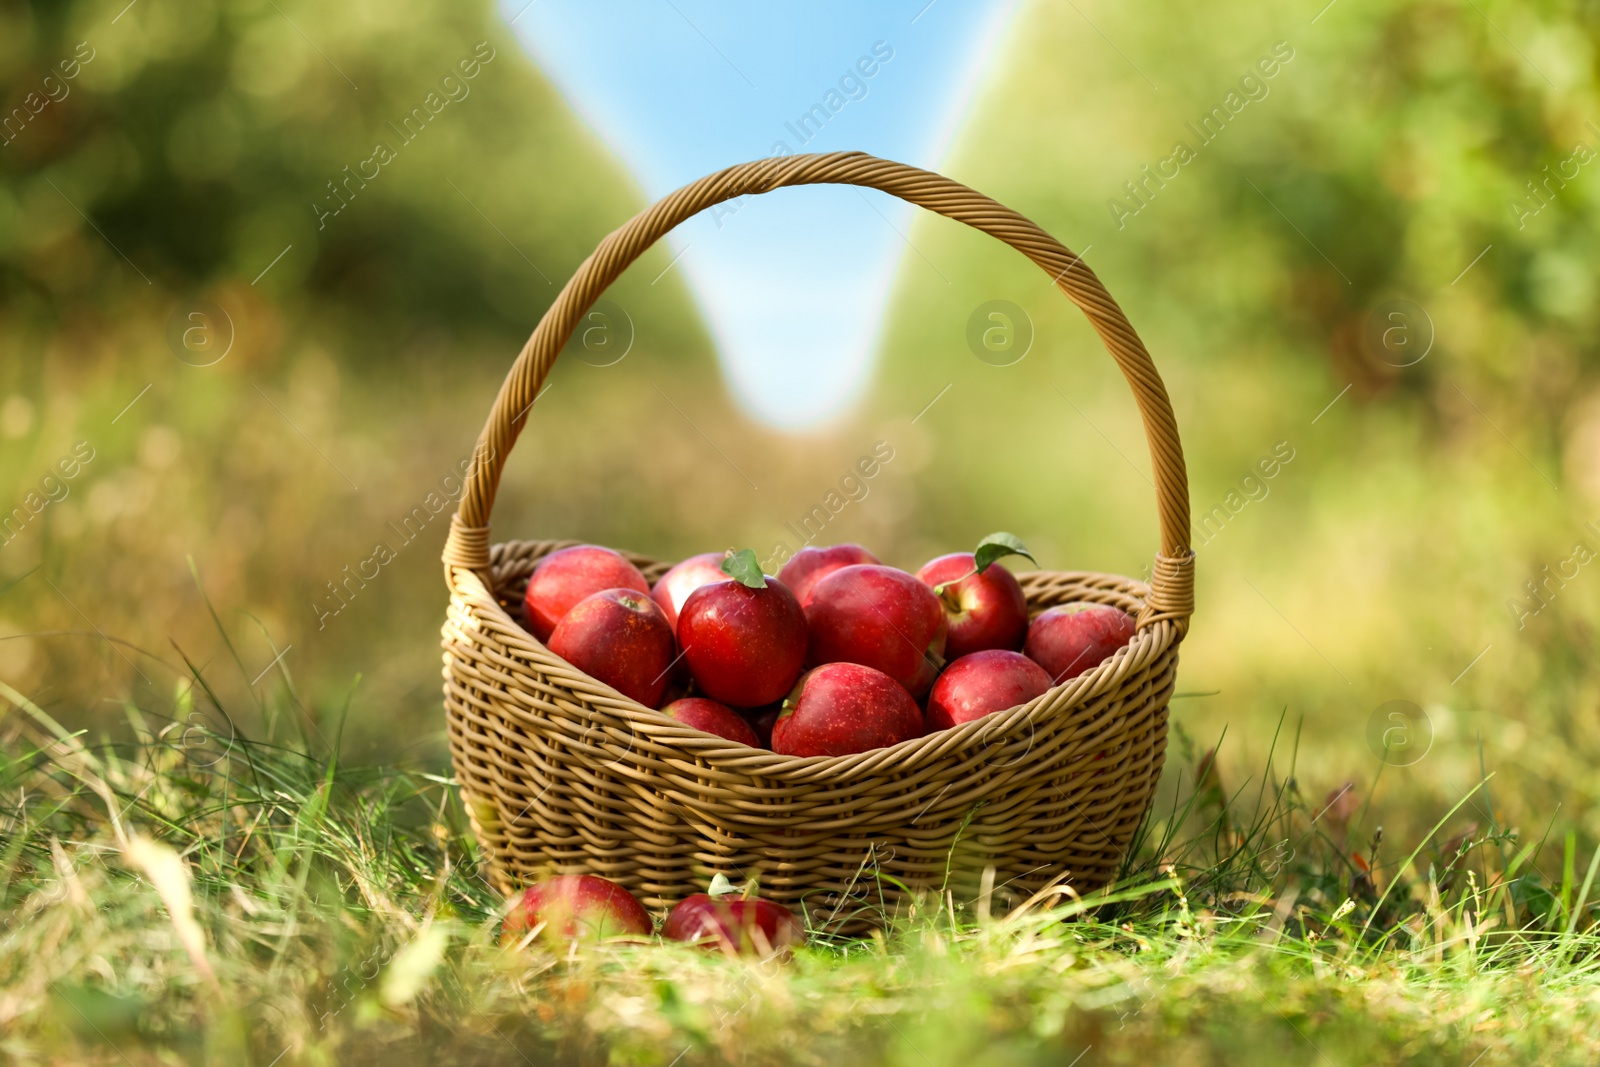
(1372, 293)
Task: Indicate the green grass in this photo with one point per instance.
(338, 916)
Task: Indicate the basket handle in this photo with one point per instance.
(1172, 577)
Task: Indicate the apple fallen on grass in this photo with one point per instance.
(1069, 639)
(747, 927)
(981, 684)
(983, 602)
(713, 718)
(564, 577)
(810, 565)
(620, 637)
(879, 617)
(576, 906)
(744, 639)
(683, 578)
(841, 708)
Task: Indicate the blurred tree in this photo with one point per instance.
(382, 170)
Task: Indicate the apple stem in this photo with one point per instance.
(939, 590)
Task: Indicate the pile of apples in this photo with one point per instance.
(837, 654)
(574, 907)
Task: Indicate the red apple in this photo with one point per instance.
(985, 610)
(576, 906)
(566, 576)
(810, 565)
(879, 617)
(684, 578)
(749, 927)
(619, 637)
(840, 708)
(1069, 639)
(713, 718)
(984, 682)
(744, 646)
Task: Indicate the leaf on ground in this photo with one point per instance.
(413, 965)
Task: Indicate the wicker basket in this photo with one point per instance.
(562, 774)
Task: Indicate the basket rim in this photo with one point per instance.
(1148, 644)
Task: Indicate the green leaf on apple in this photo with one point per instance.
(720, 886)
(743, 567)
(997, 546)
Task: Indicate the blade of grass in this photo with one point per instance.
(1583, 896)
(1366, 926)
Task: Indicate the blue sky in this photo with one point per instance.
(793, 284)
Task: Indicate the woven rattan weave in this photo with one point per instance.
(561, 774)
